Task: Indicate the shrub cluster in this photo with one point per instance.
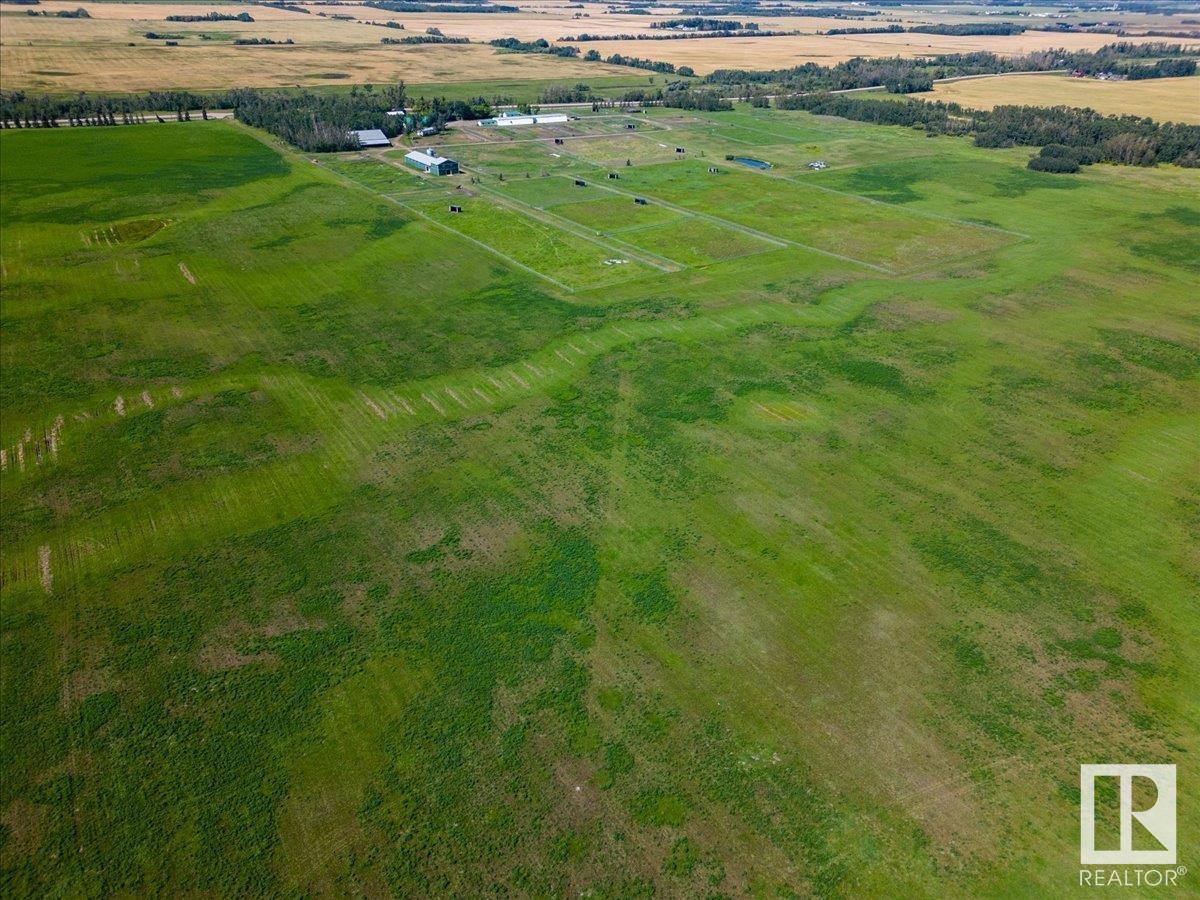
(541, 45)
(212, 17)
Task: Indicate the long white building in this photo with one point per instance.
(508, 120)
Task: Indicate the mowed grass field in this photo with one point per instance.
(352, 546)
(1164, 99)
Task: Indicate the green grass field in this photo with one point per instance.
(354, 546)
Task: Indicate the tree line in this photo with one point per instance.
(586, 37)
(900, 75)
(963, 30)
(403, 6)
(313, 122)
(541, 45)
(700, 23)
(425, 39)
(212, 17)
(78, 13)
(1092, 137)
(778, 9)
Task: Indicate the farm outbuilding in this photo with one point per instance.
(429, 162)
(371, 137)
(509, 119)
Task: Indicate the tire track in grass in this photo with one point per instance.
(350, 430)
(613, 245)
(446, 228)
(774, 239)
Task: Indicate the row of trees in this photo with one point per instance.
(21, 110)
(700, 23)
(678, 95)
(314, 122)
(212, 17)
(403, 6)
(1123, 140)
(1164, 68)
(962, 30)
(905, 75)
(321, 122)
(778, 9)
(425, 39)
(636, 62)
(541, 45)
(585, 37)
(77, 13)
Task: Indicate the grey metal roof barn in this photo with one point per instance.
(429, 161)
(371, 137)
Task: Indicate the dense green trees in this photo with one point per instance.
(541, 45)
(314, 122)
(212, 17)
(1090, 136)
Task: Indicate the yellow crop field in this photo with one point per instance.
(110, 50)
(100, 67)
(1165, 99)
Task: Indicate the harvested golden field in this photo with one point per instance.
(155, 11)
(110, 50)
(706, 54)
(1165, 99)
(118, 32)
(111, 67)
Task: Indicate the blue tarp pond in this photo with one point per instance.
(751, 162)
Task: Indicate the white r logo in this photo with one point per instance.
(1158, 820)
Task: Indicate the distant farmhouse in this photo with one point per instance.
(509, 119)
(430, 163)
(371, 137)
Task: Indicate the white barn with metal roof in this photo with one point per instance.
(506, 120)
(428, 161)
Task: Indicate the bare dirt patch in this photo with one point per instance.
(25, 824)
(45, 575)
(84, 683)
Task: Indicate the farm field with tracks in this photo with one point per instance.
(1163, 99)
(790, 533)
